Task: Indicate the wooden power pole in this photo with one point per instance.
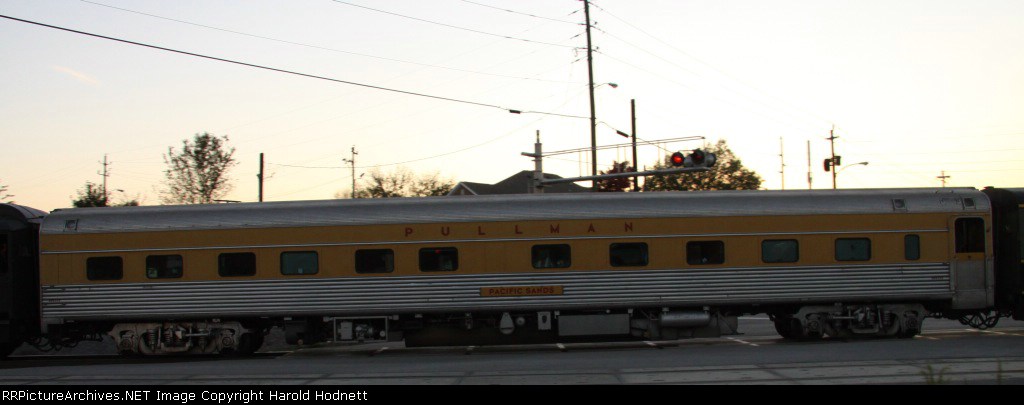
(260, 177)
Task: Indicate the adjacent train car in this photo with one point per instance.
(1008, 249)
(525, 268)
(19, 276)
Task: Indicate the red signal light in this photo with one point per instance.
(697, 157)
(678, 159)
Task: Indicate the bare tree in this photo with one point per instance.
(431, 185)
(4, 197)
(402, 183)
(198, 174)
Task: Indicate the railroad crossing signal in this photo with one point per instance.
(697, 158)
(830, 164)
(697, 161)
(677, 159)
(700, 158)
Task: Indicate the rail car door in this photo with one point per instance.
(8, 337)
(972, 267)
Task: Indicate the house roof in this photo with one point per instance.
(519, 183)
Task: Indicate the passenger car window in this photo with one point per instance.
(551, 256)
(236, 264)
(627, 254)
(104, 268)
(439, 259)
(780, 251)
(164, 266)
(911, 247)
(970, 235)
(705, 252)
(853, 249)
(299, 263)
(375, 261)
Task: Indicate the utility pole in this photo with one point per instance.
(782, 163)
(835, 162)
(105, 173)
(636, 165)
(538, 166)
(809, 178)
(593, 114)
(260, 177)
(353, 163)
(943, 177)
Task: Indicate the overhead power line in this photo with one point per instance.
(411, 93)
(454, 26)
(419, 159)
(317, 46)
(522, 13)
(329, 182)
(666, 43)
(712, 95)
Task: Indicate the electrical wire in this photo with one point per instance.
(415, 160)
(390, 141)
(453, 26)
(411, 93)
(522, 13)
(656, 144)
(320, 47)
(797, 118)
(726, 101)
(642, 49)
(332, 181)
(308, 167)
(700, 60)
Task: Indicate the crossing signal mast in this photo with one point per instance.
(696, 161)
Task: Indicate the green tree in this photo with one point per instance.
(431, 185)
(402, 183)
(198, 174)
(727, 174)
(620, 184)
(4, 197)
(92, 196)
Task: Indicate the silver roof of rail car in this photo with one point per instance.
(511, 208)
(29, 214)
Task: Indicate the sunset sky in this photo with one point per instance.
(914, 88)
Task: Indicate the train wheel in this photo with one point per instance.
(789, 327)
(249, 343)
(909, 329)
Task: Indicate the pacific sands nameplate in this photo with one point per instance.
(521, 291)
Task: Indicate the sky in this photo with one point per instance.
(914, 88)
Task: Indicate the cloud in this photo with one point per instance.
(82, 77)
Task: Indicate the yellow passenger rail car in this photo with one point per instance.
(526, 268)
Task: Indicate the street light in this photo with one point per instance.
(844, 168)
(855, 164)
